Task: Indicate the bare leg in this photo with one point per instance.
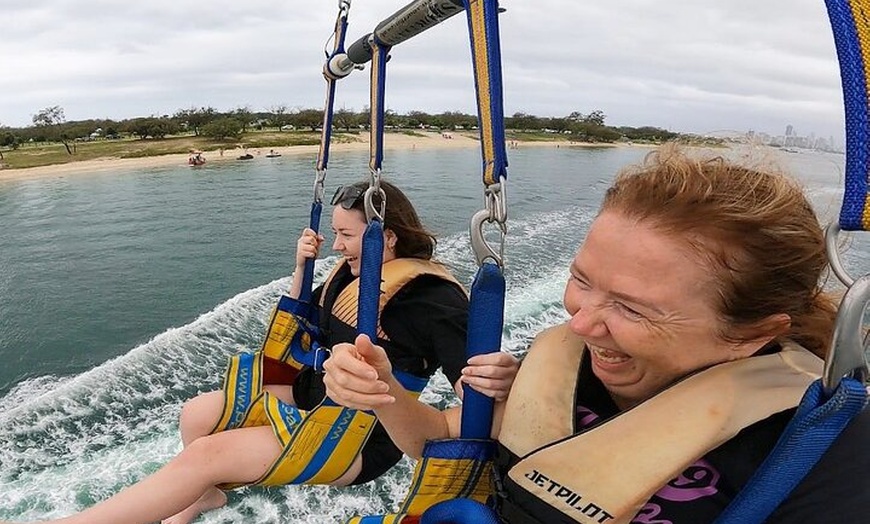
(213, 498)
(240, 455)
(198, 417)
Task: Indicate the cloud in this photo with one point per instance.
(695, 66)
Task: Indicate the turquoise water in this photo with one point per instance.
(123, 293)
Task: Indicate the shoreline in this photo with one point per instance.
(427, 140)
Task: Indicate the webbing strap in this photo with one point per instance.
(851, 26)
(486, 308)
(339, 34)
(486, 57)
(485, 321)
(378, 87)
(307, 289)
(371, 259)
(460, 511)
(815, 426)
(371, 265)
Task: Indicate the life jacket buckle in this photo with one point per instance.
(321, 353)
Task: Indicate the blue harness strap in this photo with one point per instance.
(378, 79)
(485, 321)
(292, 335)
(817, 423)
(850, 21)
(460, 511)
(339, 34)
(453, 477)
(482, 16)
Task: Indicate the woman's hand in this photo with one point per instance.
(492, 374)
(307, 246)
(358, 375)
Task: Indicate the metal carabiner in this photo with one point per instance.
(373, 213)
(832, 233)
(495, 197)
(846, 357)
(495, 202)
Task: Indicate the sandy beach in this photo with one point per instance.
(391, 141)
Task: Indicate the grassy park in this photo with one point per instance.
(53, 153)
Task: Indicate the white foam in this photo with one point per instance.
(66, 443)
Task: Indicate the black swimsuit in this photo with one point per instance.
(837, 490)
(426, 322)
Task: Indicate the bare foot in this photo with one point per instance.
(211, 499)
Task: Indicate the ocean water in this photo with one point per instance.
(123, 293)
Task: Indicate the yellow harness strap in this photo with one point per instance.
(318, 446)
(243, 385)
(582, 478)
(283, 327)
(449, 469)
(459, 473)
(321, 448)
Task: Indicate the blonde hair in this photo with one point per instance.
(756, 230)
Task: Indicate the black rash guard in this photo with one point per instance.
(426, 323)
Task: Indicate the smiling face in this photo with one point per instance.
(349, 225)
(644, 305)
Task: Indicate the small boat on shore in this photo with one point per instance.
(195, 159)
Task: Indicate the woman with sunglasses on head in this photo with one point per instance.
(422, 326)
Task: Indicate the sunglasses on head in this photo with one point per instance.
(347, 196)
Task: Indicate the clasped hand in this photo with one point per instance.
(360, 375)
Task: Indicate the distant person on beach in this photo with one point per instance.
(423, 325)
(697, 320)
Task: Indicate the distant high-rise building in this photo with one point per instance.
(789, 130)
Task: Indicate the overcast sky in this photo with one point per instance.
(685, 65)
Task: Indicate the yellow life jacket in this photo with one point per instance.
(607, 474)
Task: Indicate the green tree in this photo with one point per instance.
(653, 134)
(310, 118)
(152, 127)
(50, 121)
(418, 119)
(596, 133)
(456, 119)
(344, 118)
(223, 128)
(244, 115)
(523, 122)
(393, 119)
(279, 116)
(596, 117)
(193, 119)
